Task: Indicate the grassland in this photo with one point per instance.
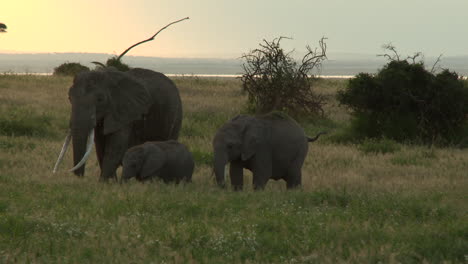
(376, 202)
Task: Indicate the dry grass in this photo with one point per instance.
(407, 205)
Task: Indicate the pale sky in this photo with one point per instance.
(229, 28)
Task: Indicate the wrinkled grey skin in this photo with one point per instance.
(272, 146)
(168, 160)
(126, 109)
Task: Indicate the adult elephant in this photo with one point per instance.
(272, 146)
(119, 110)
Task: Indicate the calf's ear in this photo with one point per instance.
(154, 160)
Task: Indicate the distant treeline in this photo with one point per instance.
(336, 65)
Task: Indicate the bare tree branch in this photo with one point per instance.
(391, 48)
(274, 80)
(435, 63)
(150, 39)
(413, 58)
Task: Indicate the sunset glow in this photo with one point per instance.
(228, 29)
(65, 26)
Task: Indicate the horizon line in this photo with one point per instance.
(10, 52)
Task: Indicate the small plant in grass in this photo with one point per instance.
(202, 157)
(381, 146)
(274, 80)
(408, 103)
(70, 69)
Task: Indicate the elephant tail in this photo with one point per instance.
(309, 139)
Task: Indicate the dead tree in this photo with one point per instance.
(150, 39)
(274, 80)
(116, 60)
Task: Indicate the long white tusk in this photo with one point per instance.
(89, 147)
(62, 152)
(225, 174)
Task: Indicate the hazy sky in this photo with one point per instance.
(219, 28)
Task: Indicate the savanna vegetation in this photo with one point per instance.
(70, 69)
(275, 81)
(376, 201)
(408, 103)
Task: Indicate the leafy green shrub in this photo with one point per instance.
(274, 80)
(379, 146)
(69, 69)
(407, 103)
(118, 64)
(202, 157)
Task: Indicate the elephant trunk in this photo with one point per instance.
(127, 174)
(79, 141)
(80, 164)
(220, 162)
(82, 130)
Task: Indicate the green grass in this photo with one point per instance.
(379, 146)
(372, 202)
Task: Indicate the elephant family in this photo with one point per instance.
(272, 146)
(118, 110)
(169, 161)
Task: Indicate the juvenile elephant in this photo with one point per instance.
(118, 110)
(272, 146)
(168, 160)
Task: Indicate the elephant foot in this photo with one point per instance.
(237, 188)
(108, 179)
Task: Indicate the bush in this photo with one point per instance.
(118, 64)
(69, 69)
(273, 80)
(407, 103)
(202, 157)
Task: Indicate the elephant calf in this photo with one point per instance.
(169, 160)
(272, 146)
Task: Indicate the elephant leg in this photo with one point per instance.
(294, 175)
(116, 144)
(294, 180)
(262, 171)
(236, 172)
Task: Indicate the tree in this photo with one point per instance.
(116, 62)
(274, 80)
(3, 28)
(69, 69)
(406, 102)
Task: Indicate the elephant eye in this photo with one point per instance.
(100, 98)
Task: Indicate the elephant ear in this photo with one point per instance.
(129, 101)
(154, 160)
(251, 140)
